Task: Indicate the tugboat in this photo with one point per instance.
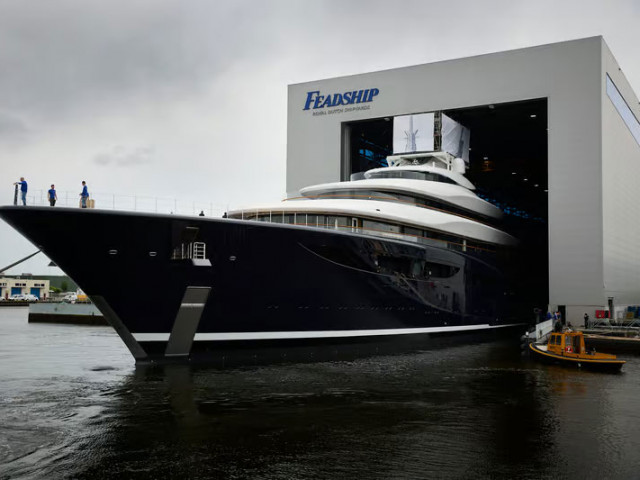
(568, 348)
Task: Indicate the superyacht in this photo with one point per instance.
(398, 258)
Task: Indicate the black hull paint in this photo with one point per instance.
(245, 353)
(266, 278)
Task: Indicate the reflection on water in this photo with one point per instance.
(73, 404)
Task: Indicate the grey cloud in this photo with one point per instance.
(123, 156)
(64, 55)
(12, 129)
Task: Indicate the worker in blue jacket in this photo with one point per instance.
(23, 190)
(84, 195)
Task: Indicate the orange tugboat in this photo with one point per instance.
(568, 348)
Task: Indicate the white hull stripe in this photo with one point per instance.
(224, 336)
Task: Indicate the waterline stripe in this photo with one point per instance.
(192, 305)
(222, 336)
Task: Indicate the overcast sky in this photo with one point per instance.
(187, 99)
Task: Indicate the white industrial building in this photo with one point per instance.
(15, 286)
(555, 140)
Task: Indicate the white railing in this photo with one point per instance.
(136, 203)
(191, 250)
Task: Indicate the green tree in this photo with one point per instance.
(64, 286)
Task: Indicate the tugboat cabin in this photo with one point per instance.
(570, 344)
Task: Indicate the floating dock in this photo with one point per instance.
(73, 313)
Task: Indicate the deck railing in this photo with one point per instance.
(136, 203)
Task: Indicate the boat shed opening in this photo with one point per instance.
(553, 141)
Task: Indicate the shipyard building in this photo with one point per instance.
(550, 135)
(24, 285)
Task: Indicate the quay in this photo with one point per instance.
(616, 341)
(14, 304)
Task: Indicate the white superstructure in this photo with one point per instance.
(424, 199)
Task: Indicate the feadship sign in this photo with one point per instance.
(326, 104)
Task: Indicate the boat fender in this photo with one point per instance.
(569, 349)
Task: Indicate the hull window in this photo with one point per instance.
(415, 268)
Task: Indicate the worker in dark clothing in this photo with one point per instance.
(558, 326)
(586, 321)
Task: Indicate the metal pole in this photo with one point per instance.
(19, 261)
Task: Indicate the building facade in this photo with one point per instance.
(15, 286)
(587, 139)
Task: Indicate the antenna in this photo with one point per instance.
(411, 136)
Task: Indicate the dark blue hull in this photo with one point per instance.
(265, 292)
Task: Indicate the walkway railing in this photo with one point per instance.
(136, 203)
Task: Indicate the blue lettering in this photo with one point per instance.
(315, 100)
(357, 96)
(309, 99)
(327, 102)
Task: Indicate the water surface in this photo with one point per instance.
(73, 404)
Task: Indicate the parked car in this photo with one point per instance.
(23, 297)
(70, 298)
(2, 299)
